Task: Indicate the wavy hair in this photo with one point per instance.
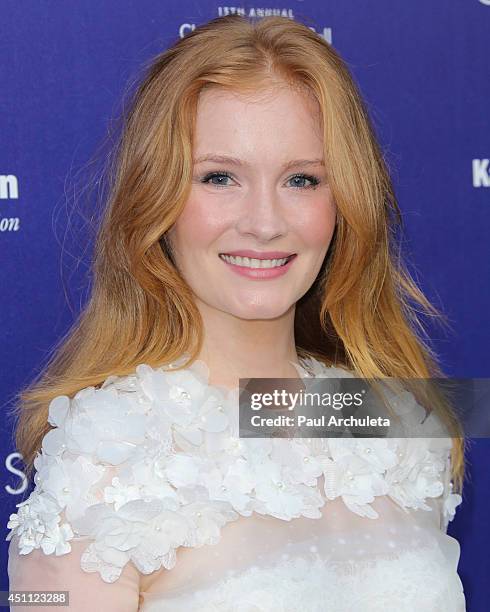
(362, 310)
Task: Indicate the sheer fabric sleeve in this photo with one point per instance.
(37, 571)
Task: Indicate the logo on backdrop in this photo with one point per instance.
(481, 176)
(185, 28)
(23, 482)
(255, 12)
(9, 190)
(9, 187)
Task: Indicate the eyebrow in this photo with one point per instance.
(226, 159)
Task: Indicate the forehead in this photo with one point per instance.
(267, 120)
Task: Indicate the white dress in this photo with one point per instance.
(146, 499)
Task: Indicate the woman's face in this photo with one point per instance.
(269, 202)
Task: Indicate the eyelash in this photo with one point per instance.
(313, 179)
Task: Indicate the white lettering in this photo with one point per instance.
(11, 224)
(481, 177)
(19, 473)
(185, 28)
(9, 187)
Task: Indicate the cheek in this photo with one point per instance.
(199, 223)
(316, 223)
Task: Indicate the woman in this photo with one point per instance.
(250, 232)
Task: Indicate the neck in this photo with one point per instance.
(236, 348)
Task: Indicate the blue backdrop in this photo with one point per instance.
(423, 67)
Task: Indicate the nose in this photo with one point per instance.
(262, 215)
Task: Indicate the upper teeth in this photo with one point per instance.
(254, 263)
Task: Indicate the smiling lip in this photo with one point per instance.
(258, 254)
(261, 274)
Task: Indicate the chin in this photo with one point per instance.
(258, 311)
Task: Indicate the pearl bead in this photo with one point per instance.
(223, 488)
(199, 514)
(280, 485)
(367, 450)
(306, 459)
(66, 490)
(158, 528)
(220, 408)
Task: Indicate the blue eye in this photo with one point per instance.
(305, 177)
(217, 175)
